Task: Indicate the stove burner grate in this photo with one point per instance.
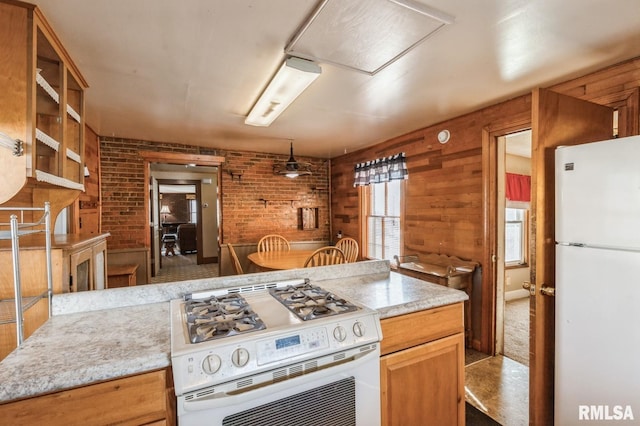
(221, 316)
(310, 302)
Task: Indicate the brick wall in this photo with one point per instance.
(245, 218)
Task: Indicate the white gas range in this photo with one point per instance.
(278, 353)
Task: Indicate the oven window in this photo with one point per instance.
(310, 408)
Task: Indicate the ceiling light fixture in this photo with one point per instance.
(292, 168)
(365, 35)
(293, 77)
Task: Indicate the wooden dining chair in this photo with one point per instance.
(273, 242)
(329, 255)
(235, 262)
(350, 248)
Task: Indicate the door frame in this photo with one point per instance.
(183, 159)
(490, 135)
(199, 241)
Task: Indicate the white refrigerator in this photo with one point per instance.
(597, 324)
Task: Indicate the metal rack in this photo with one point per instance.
(19, 227)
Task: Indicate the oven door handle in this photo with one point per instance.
(223, 399)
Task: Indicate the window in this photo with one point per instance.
(515, 237)
(193, 211)
(382, 222)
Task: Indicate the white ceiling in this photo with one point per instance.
(189, 71)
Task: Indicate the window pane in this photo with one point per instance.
(377, 199)
(374, 237)
(393, 198)
(513, 242)
(391, 238)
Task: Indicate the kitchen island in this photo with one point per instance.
(100, 336)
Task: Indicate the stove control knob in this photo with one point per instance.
(339, 333)
(240, 357)
(211, 364)
(359, 329)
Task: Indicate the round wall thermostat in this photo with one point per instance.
(443, 136)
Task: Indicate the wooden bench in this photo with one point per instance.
(442, 269)
(121, 275)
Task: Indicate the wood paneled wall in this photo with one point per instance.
(446, 196)
(444, 193)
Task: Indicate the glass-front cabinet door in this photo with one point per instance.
(48, 131)
(73, 167)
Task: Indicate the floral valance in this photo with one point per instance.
(379, 170)
(518, 187)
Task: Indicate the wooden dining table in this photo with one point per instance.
(278, 260)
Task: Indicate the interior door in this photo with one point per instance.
(556, 120)
(155, 246)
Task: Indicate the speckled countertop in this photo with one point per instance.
(102, 335)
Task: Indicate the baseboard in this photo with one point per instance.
(516, 294)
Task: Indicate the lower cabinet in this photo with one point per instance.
(422, 368)
(134, 400)
(87, 268)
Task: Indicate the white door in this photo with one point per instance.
(597, 337)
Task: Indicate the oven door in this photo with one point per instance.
(347, 393)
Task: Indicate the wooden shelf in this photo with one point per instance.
(266, 201)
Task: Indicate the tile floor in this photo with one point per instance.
(183, 267)
(499, 386)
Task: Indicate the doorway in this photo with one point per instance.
(201, 171)
(514, 237)
(179, 204)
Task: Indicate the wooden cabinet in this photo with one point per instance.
(43, 105)
(422, 368)
(135, 400)
(85, 260)
(78, 263)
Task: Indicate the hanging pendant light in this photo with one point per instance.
(292, 168)
(292, 165)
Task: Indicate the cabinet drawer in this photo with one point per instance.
(409, 330)
(139, 399)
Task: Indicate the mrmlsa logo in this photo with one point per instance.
(605, 412)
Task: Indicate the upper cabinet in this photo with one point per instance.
(43, 106)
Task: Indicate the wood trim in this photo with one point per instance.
(59, 47)
(490, 224)
(177, 158)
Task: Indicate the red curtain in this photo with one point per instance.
(518, 187)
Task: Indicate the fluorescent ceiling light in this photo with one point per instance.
(293, 77)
